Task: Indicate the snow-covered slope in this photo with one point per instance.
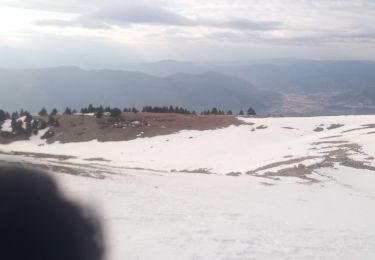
(195, 216)
(263, 145)
(304, 189)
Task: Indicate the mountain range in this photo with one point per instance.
(70, 86)
(283, 86)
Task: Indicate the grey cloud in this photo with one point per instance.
(54, 22)
(152, 15)
(122, 16)
(89, 24)
(246, 24)
(70, 6)
(138, 14)
(360, 36)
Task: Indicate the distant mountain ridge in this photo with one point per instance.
(75, 87)
(280, 86)
(306, 75)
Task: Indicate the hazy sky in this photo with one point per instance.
(109, 31)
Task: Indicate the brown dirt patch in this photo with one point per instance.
(277, 164)
(319, 129)
(330, 137)
(201, 171)
(44, 156)
(261, 127)
(368, 126)
(97, 174)
(301, 171)
(7, 137)
(340, 154)
(334, 126)
(79, 128)
(330, 142)
(99, 159)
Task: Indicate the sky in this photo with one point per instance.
(110, 32)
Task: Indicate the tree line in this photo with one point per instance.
(98, 111)
(24, 123)
(30, 125)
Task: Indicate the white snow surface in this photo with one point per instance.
(153, 212)
(232, 149)
(7, 126)
(182, 216)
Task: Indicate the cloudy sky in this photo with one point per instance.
(113, 31)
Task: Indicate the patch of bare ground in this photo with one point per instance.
(330, 137)
(334, 126)
(282, 163)
(44, 156)
(351, 147)
(248, 123)
(357, 165)
(367, 126)
(93, 170)
(129, 126)
(319, 129)
(267, 184)
(200, 171)
(337, 155)
(77, 171)
(262, 127)
(300, 171)
(234, 174)
(7, 137)
(342, 156)
(289, 128)
(370, 133)
(329, 142)
(99, 159)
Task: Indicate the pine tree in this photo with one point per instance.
(34, 126)
(84, 110)
(53, 121)
(229, 113)
(43, 112)
(17, 126)
(99, 112)
(67, 111)
(15, 115)
(28, 122)
(115, 112)
(214, 111)
(54, 112)
(251, 112)
(90, 109)
(206, 112)
(241, 113)
(3, 116)
(42, 124)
